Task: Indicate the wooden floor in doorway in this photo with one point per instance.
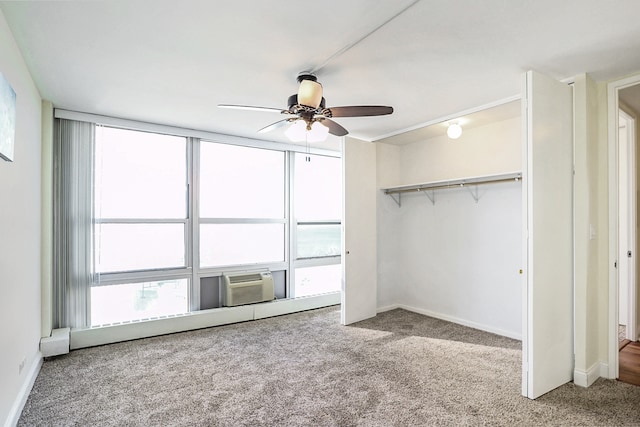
(629, 365)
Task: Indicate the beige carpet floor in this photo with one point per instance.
(397, 369)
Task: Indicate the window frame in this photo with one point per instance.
(192, 270)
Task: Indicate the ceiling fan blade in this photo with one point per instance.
(252, 108)
(334, 128)
(360, 111)
(274, 126)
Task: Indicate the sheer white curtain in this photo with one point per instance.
(72, 222)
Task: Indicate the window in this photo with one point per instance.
(141, 218)
(140, 200)
(135, 301)
(236, 244)
(241, 182)
(139, 246)
(318, 280)
(318, 230)
(318, 188)
(316, 240)
(242, 205)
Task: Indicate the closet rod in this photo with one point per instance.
(452, 183)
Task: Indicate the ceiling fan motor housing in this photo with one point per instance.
(306, 75)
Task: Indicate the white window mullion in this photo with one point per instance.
(106, 279)
(141, 221)
(317, 262)
(320, 222)
(242, 220)
(218, 271)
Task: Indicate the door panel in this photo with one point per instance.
(548, 207)
(359, 274)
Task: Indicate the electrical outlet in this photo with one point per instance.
(21, 366)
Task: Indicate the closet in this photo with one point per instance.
(482, 261)
(450, 222)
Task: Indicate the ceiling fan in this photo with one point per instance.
(311, 120)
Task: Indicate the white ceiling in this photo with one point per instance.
(173, 62)
(469, 120)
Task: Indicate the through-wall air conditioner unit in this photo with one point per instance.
(247, 287)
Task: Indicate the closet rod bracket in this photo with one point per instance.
(431, 196)
(473, 190)
(398, 200)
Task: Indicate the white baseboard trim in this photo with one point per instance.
(89, 337)
(387, 308)
(55, 344)
(288, 306)
(25, 390)
(463, 322)
(586, 378)
(604, 370)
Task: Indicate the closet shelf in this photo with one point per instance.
(428, 188)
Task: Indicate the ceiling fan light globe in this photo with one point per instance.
(310, 93)
(297, 131)
(318, 132)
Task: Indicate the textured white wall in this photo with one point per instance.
(388, 227)
(457, 259)
(19, 232)
(485, 150)
(460, 259)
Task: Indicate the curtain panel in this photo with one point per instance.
(72, 222)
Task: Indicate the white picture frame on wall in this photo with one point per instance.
(7, 119)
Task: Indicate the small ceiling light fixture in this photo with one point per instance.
(454, 130)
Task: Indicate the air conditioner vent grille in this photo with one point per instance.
(247, 294)
(245, 278)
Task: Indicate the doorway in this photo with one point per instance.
(624, 111)
(627, 234)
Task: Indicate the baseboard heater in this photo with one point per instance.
(247, 287)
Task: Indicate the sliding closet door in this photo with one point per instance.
(548, 207)
(359, 272)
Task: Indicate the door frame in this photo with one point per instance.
(613, 106)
